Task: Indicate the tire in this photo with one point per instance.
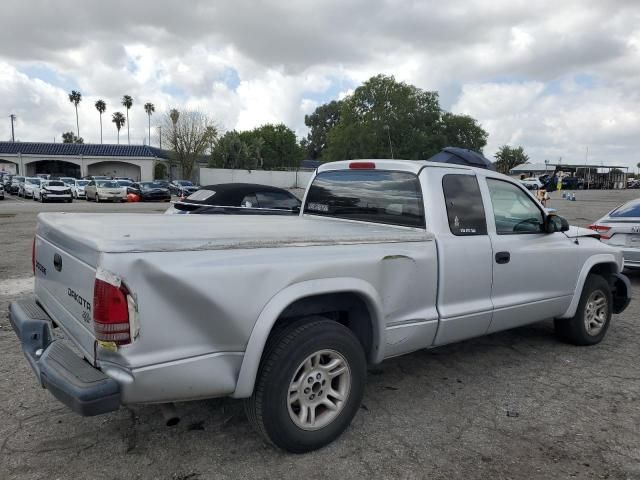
(269, 410)
(590, 323)
(97, 198)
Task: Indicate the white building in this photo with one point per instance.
(79, 160)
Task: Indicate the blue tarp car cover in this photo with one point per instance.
(462, 156)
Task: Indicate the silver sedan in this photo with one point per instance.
(621, 228)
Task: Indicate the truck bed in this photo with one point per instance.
(89, 234)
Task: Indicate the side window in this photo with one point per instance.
(277, 200)
(249, 201)
(465, 210)
(513, 210)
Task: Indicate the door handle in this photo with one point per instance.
(503, 257)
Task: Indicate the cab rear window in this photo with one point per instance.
(376, 196)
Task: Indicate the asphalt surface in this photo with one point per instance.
(517, 404)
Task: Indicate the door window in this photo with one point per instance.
(464, 205)
(514, 211)
(278, 200)
(249, 201)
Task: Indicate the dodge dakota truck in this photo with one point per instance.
(385, 258)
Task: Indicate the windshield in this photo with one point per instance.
(18, 179)
(107, 184)
(149, 185)
(367, 195)
(55, 183)
(124, 183)
(184, 183)
(33, 181)
(67, 179)
(82, 183)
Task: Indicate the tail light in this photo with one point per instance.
(33, 256)
(601, 229)
(362, 165)
(112, 306)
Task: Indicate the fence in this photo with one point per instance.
(288, 179)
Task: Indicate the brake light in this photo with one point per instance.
(111, 313)
(601, 229)
(362, 165)
(33, 256)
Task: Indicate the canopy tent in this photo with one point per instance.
(462, 156)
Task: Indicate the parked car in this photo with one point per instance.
(67, 180)
(531, 183)
(182, 188)
(77, 189)
(1, 191)
(387, 257)
(6, 181)
(43, 176)
(239, 198)
(96, 177)
(14, 188)
(124, 184)
(28, 186)
(104, 191)
(620, 228)
(51, 191)
(150, 191)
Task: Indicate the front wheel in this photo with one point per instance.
(309, 386)
(97, 198)
(590, 323)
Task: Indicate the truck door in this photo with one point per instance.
(464, 255)
(534, 273)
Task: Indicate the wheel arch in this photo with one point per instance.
(604, 264)
(306, 298)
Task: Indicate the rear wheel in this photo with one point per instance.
(590, 323)
(309, 386)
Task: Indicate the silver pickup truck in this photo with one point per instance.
(386, 257)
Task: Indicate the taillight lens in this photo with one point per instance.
(33, 256)
(362, 165)
(111, 313)
(601, 229)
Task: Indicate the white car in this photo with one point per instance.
(532, 183)
(52, 190)
(30, 184)
(124, 183)
(104, 191)
(77, 189)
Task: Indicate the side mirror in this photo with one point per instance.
(555, 223)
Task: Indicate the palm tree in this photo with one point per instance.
(174, 114)
(127, 102)
(149, 108)
(101, 106)
(75, 98)
(118, 119)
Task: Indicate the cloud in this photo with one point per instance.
(552, 76)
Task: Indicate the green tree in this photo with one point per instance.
(230, 151)
(275, 146)
(70, 137)
(149, 108)
(75, 97)
(384, 116)
(127, 102)
(119, 120)
(462, 131)
(320, 122)
(101, 106)
(509, 157)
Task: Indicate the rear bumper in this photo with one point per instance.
(69, 378)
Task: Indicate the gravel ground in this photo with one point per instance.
(517, 404)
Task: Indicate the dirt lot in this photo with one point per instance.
(517, 404)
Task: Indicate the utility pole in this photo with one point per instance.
(386, 127)
(13, 135)
(159, 136)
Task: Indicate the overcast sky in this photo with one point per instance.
(556, 77)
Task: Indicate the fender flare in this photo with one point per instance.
(601, 258)
(274, 308)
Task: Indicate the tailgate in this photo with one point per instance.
(64, 288)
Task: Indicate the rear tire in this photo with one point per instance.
(296, 374)
(590, 323)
